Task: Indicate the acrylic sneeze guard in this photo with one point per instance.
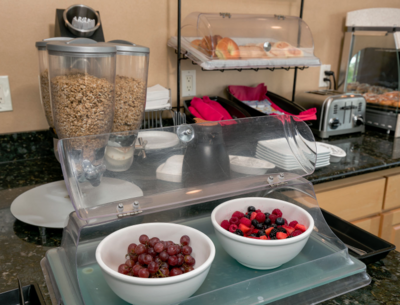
(204, 155)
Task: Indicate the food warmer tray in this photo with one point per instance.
(324, 269)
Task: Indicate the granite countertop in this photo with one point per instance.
(23, 247)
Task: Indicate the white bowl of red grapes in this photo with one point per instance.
(262, 233)
(155, 263)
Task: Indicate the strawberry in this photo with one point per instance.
(254, 231)
(263, 237)
(281, 235)
(293, 223)
(267, 231)
(300, 227)
(260, 217)
(253, 215)
(238, 214)
(296, 233)
(277, 212)
(273, 217)
(225, 224)
(288, 229)
(244, 228)
(245, 221)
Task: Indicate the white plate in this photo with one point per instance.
(265, 150)
(274, 159)
(249, 166)
(171, 170)
(334, 150)
(159, 139)
(284, 166)
(49, 205)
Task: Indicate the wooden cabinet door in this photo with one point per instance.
(370, 224)
(392, 194)
(354, 201)
(396, 236)
(388, 221)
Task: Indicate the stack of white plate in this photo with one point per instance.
(278, 152)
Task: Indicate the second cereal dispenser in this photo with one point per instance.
(82, 86)
(130, 102)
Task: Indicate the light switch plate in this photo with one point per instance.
(188, 82)
(5, 94)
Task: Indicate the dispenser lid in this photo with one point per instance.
(81, 45)
(42, 44)
(127, 46)
(237, 157)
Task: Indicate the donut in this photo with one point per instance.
(274, 52)
(293, 52)
(196, 43)
(386, 102)
(227, 49)
(208, 44)
(281, 45)
(392, 95)
(396, 104)
(251, 52)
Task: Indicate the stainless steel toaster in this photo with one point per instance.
(337, 113)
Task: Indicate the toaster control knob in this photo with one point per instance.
(358, 120)
(334, 123)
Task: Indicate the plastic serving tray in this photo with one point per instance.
(376, 247)
(228, 281)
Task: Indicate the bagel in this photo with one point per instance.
(227, 49)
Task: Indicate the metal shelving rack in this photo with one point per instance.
(181, 57)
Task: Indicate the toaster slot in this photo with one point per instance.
(335, 108)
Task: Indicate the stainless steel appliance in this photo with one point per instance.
(337, 113)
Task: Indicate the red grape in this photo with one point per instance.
(164, 271)
(172, 260)
(144, 273)
(158, 260)
(175, 271)
(130, 263)
(164, 265)
(151, 252)
(152, 267)
(133, 257)
(180, 259)
(177, 249)
(188, 268)
(163, 256)
(140, 249)
(185, 240)
(131, 248)
(147, 259)
(182, 269)
(186, 250)
(124, 269)
(153, 241)
(141, 258)
(136, 269)
(143, 239)
(171, 250)
(169, 243)
(189, 260)
(159, 247)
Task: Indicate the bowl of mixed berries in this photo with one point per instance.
(155, 263)
(262, 233)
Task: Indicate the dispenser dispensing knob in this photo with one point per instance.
(270, 179)
(120, 207)
(334, 123)
(136, 206)
(281, 176)
(185, 133)
(358, 120)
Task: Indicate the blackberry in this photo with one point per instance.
(259, 226)
(272, 234)
(273, 225)
(247, 216)
(267, 221)
(260, 233)
(290, 236)
(251, 209)
(239, 232)
(283, 230)
(280, 221)
(254, 222)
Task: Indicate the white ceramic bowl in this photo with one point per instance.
(255, 253)
(111, 251)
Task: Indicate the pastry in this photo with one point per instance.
(196, 43)
(396, 104)
(362, 88)
(208, 44)
(293, 52)
(371, 98)
(281, 45)
(274, 52)
(384, 100)
(227, 49)
(251, 52)
(392, 95)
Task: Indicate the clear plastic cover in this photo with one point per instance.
(189, 164)
(322, 270)
(373, 69)
(242, 40)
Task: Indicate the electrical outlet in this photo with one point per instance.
(5, 94)
(322, 70)
(188, 82)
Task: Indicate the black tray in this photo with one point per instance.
(376, 247)
(32, 296)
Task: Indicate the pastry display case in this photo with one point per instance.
(370, 64)
(237, 41)
(215, 162)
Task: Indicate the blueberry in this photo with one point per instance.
(279, 221)
(267, 221)
(253, 235)
(251, 209)
(267, 215)
(283, 230)
(247, 216)
(239, 232)
(259, 226)
(260, 233)
(254, 222)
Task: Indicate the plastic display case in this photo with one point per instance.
(370, 64)
(322, 270)
(237, 41)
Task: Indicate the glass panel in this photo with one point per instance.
(185, 165)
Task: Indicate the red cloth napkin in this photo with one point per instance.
(258, 93)
(209, 110)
